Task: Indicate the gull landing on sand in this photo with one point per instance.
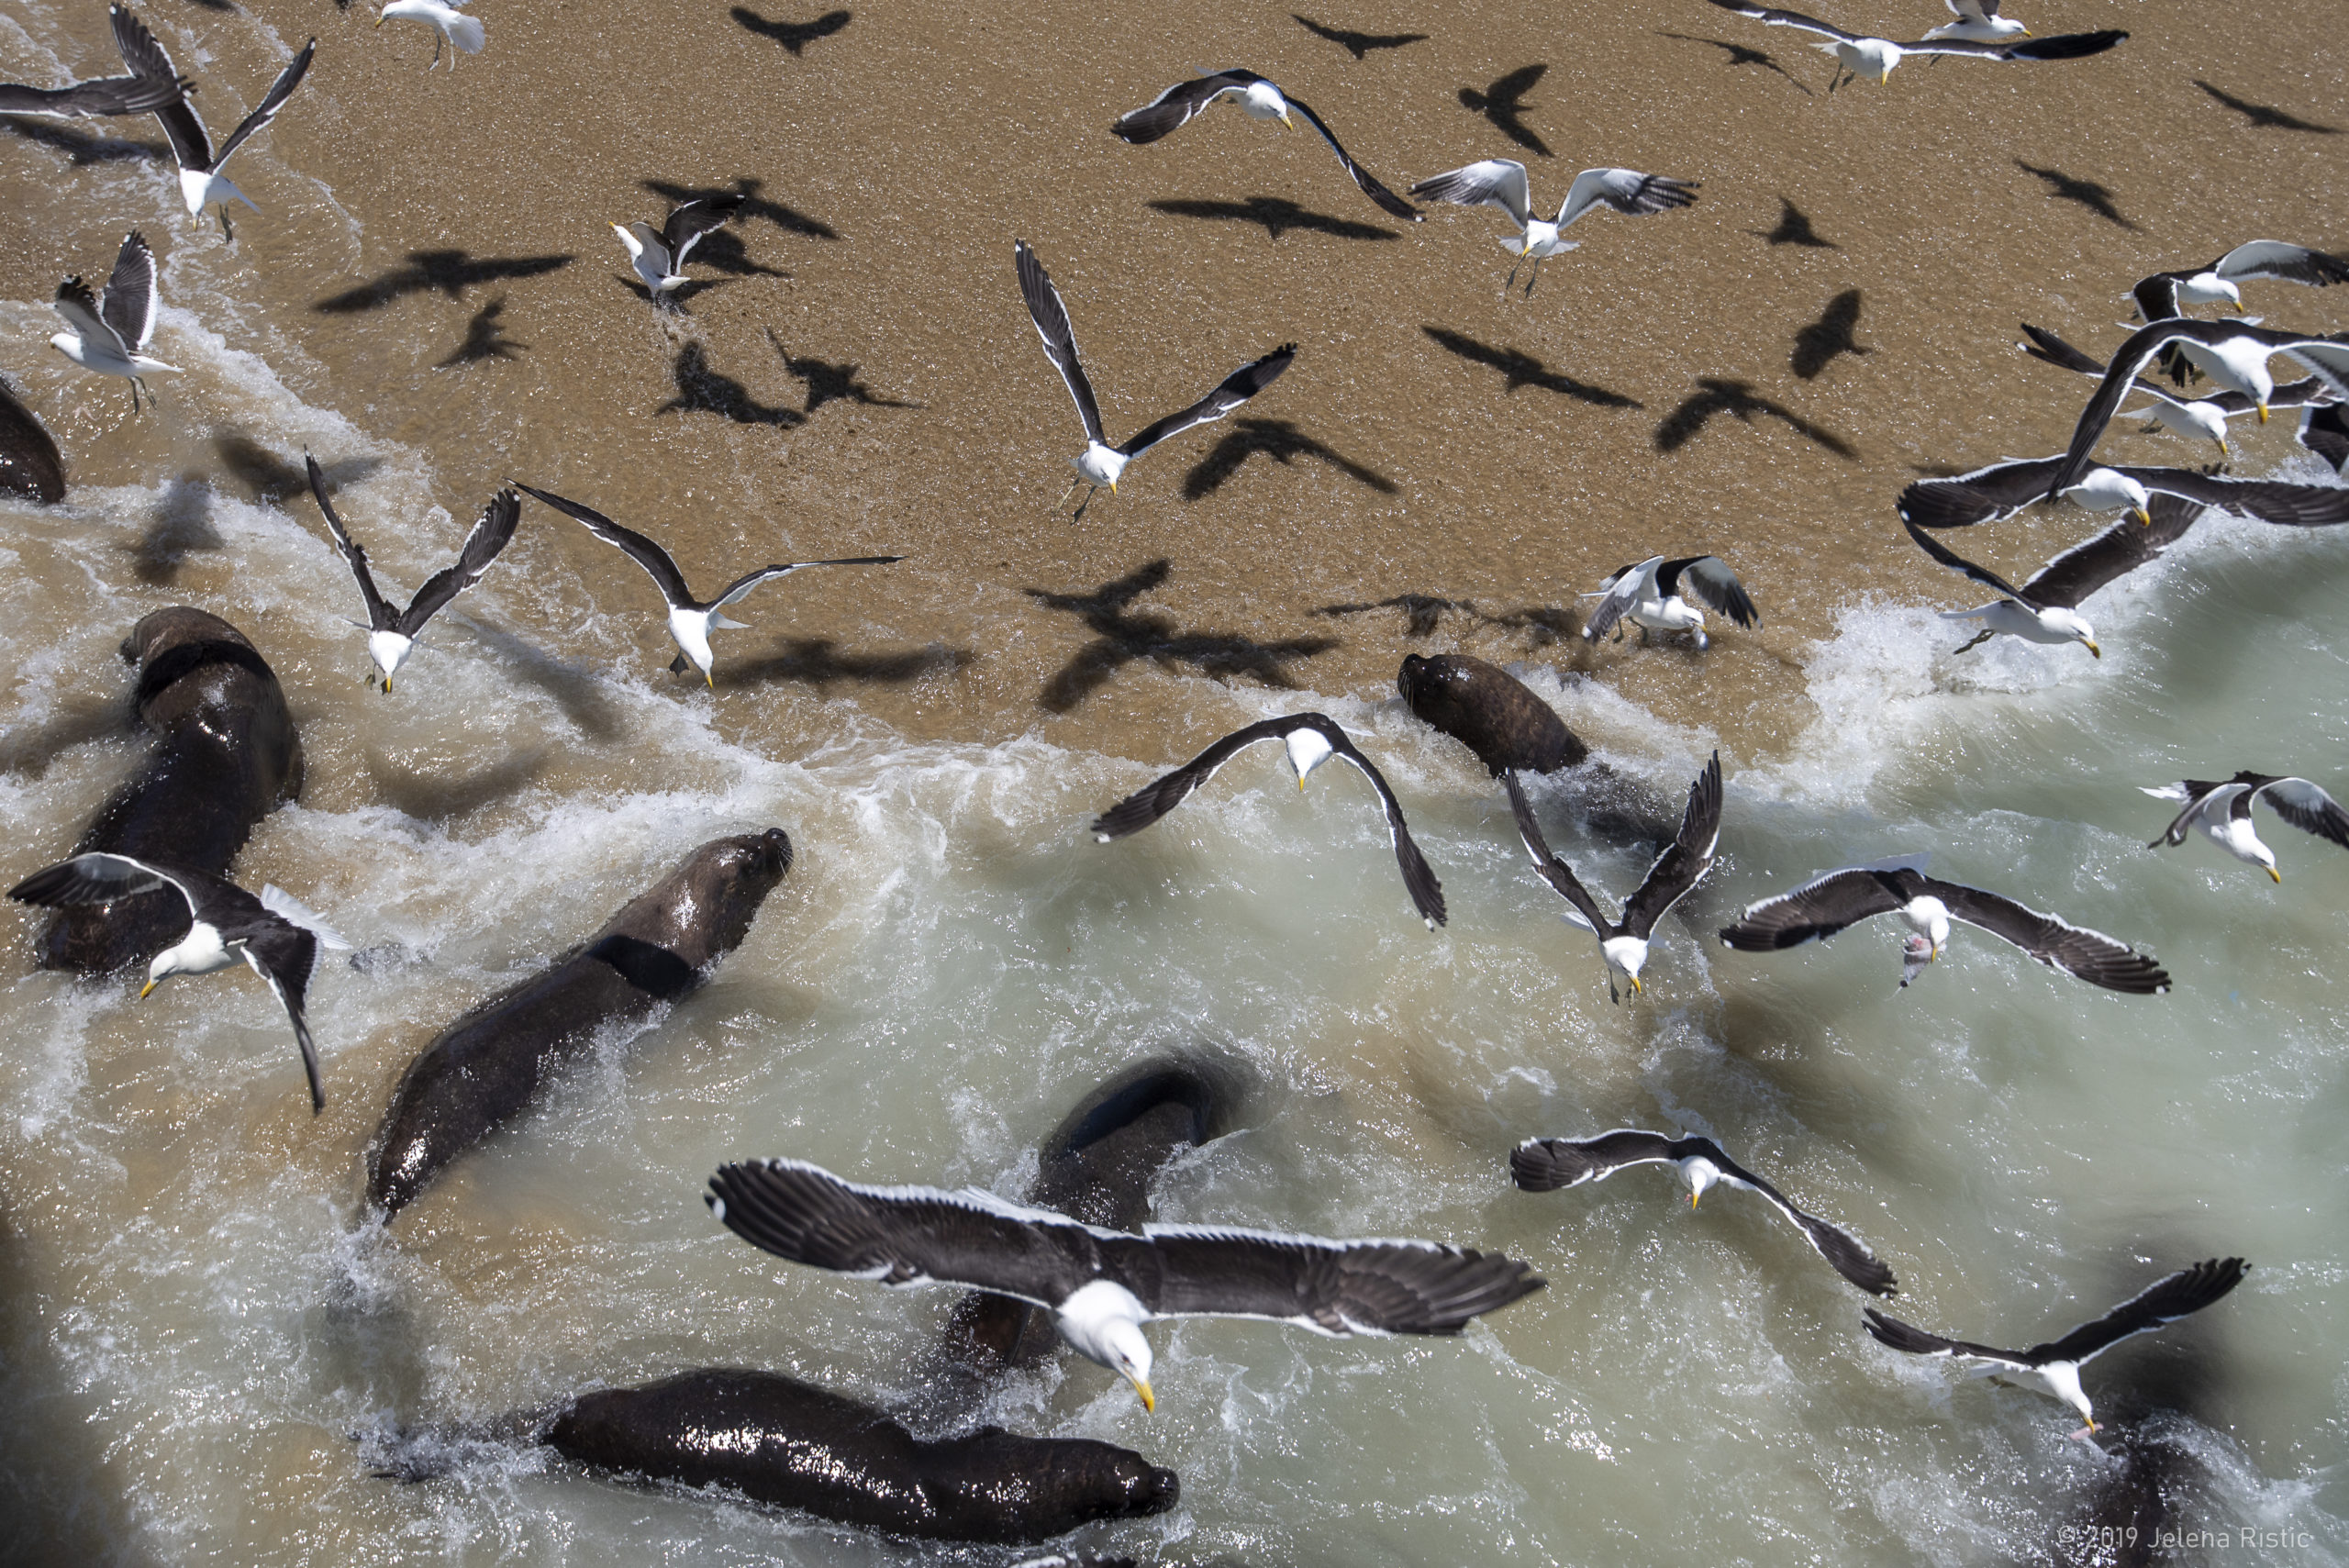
(2222, 810)
(1859, 55)
(1501, 184)
(660, 258)
(392, 634)
(691, 620)
(1260, 99)
(450, 25)
(201, 183)
(1653, 595)
(1101, 1285)
(274, 934)
(111, 337)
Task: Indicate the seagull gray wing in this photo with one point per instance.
(1173, 108)
(106, 95)
(1229, 394)
(1891, 1331)
(2164, 1301)
(1554, 871)
(1845, 1252)
(750, 580)
(1387, 200)
(1618, 593)
(2304, 805)
(1627, 190)
(2062, 46)
(2201, 795)
(272, 100)
(191, 148)
(129, 302)
(1985, 496)
(1493, 183)
(1050, 317)
(1819, 908)
(284, 955)
(380, 615)
(1427, 894)
(2085, 954)
(491, 533)
(1709, 580)
(2047, 346)
(1331, 1287)
(1550, 1164)
(1957, 563)
(687, 223)
(2270, 501)
(2120, 550)
(1777, 18)
(1685, 859)
(655, 561)
(1162, 795)
(99, 877)
(2283, 262)
(80, 308)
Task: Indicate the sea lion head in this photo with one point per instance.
(712, 899)
(1034, 1488)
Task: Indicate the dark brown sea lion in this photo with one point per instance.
(29, 465)
(780, 1440)
(487, 1065)
(226, 756)
(1489, 711)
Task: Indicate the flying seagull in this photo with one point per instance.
(1546, 1164)
(111, 337)
(273, 933)
(102, 95)
(660, 258)
(201, 184)
(2222, 810)
(1980, 21)
(691, 620)
(1260, 100)
(2056, 1365)
(1102, 1285)
(450, 25)
(1865, 56)
(2165, 295)
(1682, 864)
(1101, 462)
(2193, 418)
(1307, 740)
(392, 634)
(1824, 905)
(1501, 182)
(1653, 595)
(2002, 489)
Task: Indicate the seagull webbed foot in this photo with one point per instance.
(1979, 638)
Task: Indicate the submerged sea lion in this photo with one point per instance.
(1489, 711)
(780, 1440)
(29, 463)
(226, 756)
(487, 1065)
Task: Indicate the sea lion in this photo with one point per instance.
(780, 1440)
(485, 1067)
(226, 756)
(1489, 711)
(29, 463)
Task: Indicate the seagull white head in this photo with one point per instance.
(1700, 1174)
(1102, 1322)
(1626, 956)
(199, 953)
(1865, 57)
(1308, 750)
(2208, 288)
(1262, 101)
(1101, 464)
(389, 650)
(2106, 490)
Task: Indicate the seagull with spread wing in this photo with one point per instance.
(1260, 99)
(660, 258)
(1501, 184)
(392, 634)
(1653, 595)
(110, 335)
(2165, 295)
(1861, 55)
(2000, 490)
(201, 183)
(2194, 417)
(2222, 810)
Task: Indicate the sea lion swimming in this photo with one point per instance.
(226, 756)
(29, 463)
(780, 1440)
(486, 1067)
(1489, 711)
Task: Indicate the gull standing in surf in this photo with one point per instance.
(1863, 56)
(392, 634)
(1501, 184)
(1624, 943)
(1548, 1164)
(2002, 489)
(2054, 1367)
(691, 620)
(110, 337)
(2222, 810)
(1102, 1285)
(274, 934)
(1307, 740)
(660, 258)
(1101, 462)
(450, 25)
(2203, 418)
(201, 183)
(1653, 595)
(1826, 905)
(1260, 100)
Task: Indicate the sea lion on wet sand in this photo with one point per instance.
(779, 1440)
(486, 1067)
(1489, 711)
(226, 756)
(29, 463)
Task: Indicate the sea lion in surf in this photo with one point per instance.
(779, 1440)
(486, 1067)
(29, 463)
(225, 755)
(1489, 711)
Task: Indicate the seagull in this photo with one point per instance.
(1824, 905)
(1653, 595)
(1308, 740)
(1102, 463)
(1260, 100)
(660, 258)
(2004, 488)
(111, 337)
(2046, 609)
(201, 184)
(102, 95)
(2165, 295)
(691, 620)
(2222, 810)
(2056, 1365)
(2202, 417)
(1865, 56)
(1546, 1164)
(1682, 864)
(1501, 182)
(1102, 1285)
(274, 934)
(392, 634)
(450, 25)
(1977, 20)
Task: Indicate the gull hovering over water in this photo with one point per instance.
(274, 934)
(691, 620)
(1501, 184)
(1863, 56)
(450, 25)
(392, 634)
(1653, 595)
(201, 183)
(1102, 1285)
(2002, 489)
(660, 258)
(1101, 462)
(2222, 810)
(111, 337)
(1260, 99)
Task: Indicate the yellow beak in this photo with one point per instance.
(1113, 487)
(1149, 1401)
(2262, 412)
(1635, 983)
(149, 986)
(2141, 516)
(1692, 1200)
(2094, 651)
(2276, 875)
(387, 686)
(1288, 124)
(378, 21)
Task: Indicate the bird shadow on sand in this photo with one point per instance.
(485, 338)
(793, 35)
(448, 272)
(1718, 394)
(1503, 103)
(440, 798)
(273, 476)
(2062, 187)
(1794, 228)
(821, 662)
(182, 527)
(703, 389)
(1520, 369)
(791, 221)
(1357, 44)
(83, 148)
(1818, 345)
(1424, 613)
(829, 383)
(1122, 636)
(1274, 214)
(1739, 54)
(2262, 116)
(1279, 439)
